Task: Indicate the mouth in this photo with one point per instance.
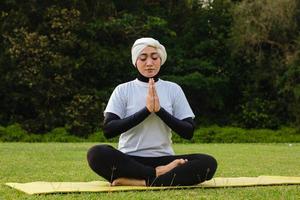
(150, 70)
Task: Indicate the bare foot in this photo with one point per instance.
(160, 170)
(128, 182)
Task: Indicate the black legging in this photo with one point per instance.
(111, 164)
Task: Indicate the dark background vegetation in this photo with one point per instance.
(238, 62)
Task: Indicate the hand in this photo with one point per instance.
(152, 101)
(156, 99)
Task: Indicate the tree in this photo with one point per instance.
(263, 38)
(199, 61)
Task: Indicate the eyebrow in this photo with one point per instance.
(149, 54)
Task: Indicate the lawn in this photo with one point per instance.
(27, 162)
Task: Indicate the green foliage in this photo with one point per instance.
(259, 114)
(216, 134)
(99, 137)
(207, 95)
(41, 76)
(290, 85)
(212, 134)
(263, 38)
(13, 133)
(83, 115)
(59, 135)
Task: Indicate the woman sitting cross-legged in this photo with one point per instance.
(143, 112)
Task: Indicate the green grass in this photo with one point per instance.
(27, 162)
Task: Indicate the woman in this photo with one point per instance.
(144, 111)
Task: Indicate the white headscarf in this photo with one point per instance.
(140, 44)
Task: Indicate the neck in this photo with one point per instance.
(142, 78)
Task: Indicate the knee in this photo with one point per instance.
(208, 159)
(212, 165)
(95, 153)
(209, 163)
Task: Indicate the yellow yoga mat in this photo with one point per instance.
(41, 187)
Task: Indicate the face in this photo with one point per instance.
(148, 62)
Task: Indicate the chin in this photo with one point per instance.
(150, 75)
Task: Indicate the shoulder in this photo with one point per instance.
(122, 89)
(125, 85)
(170, 85)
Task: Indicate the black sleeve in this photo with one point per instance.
(113, 125)
(185, 128)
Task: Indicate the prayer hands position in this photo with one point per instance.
(152, 103)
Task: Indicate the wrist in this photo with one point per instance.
(147, 110)
(157, 110)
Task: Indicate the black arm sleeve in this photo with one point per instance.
(185, 128)
(113, 125)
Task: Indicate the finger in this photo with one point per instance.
(153, 85)
(153, 88)
(152, 81)
(153, 92)
(149, 101)
(150, 90)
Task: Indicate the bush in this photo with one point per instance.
(213, 134)
(99, 137)
(259, 113)
(216, 134)
(83, 115)
(13, 133)
(60, 135)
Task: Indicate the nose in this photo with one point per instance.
(149, 61)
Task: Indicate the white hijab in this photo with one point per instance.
(140, 44)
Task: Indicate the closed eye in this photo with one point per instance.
(153, 56)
